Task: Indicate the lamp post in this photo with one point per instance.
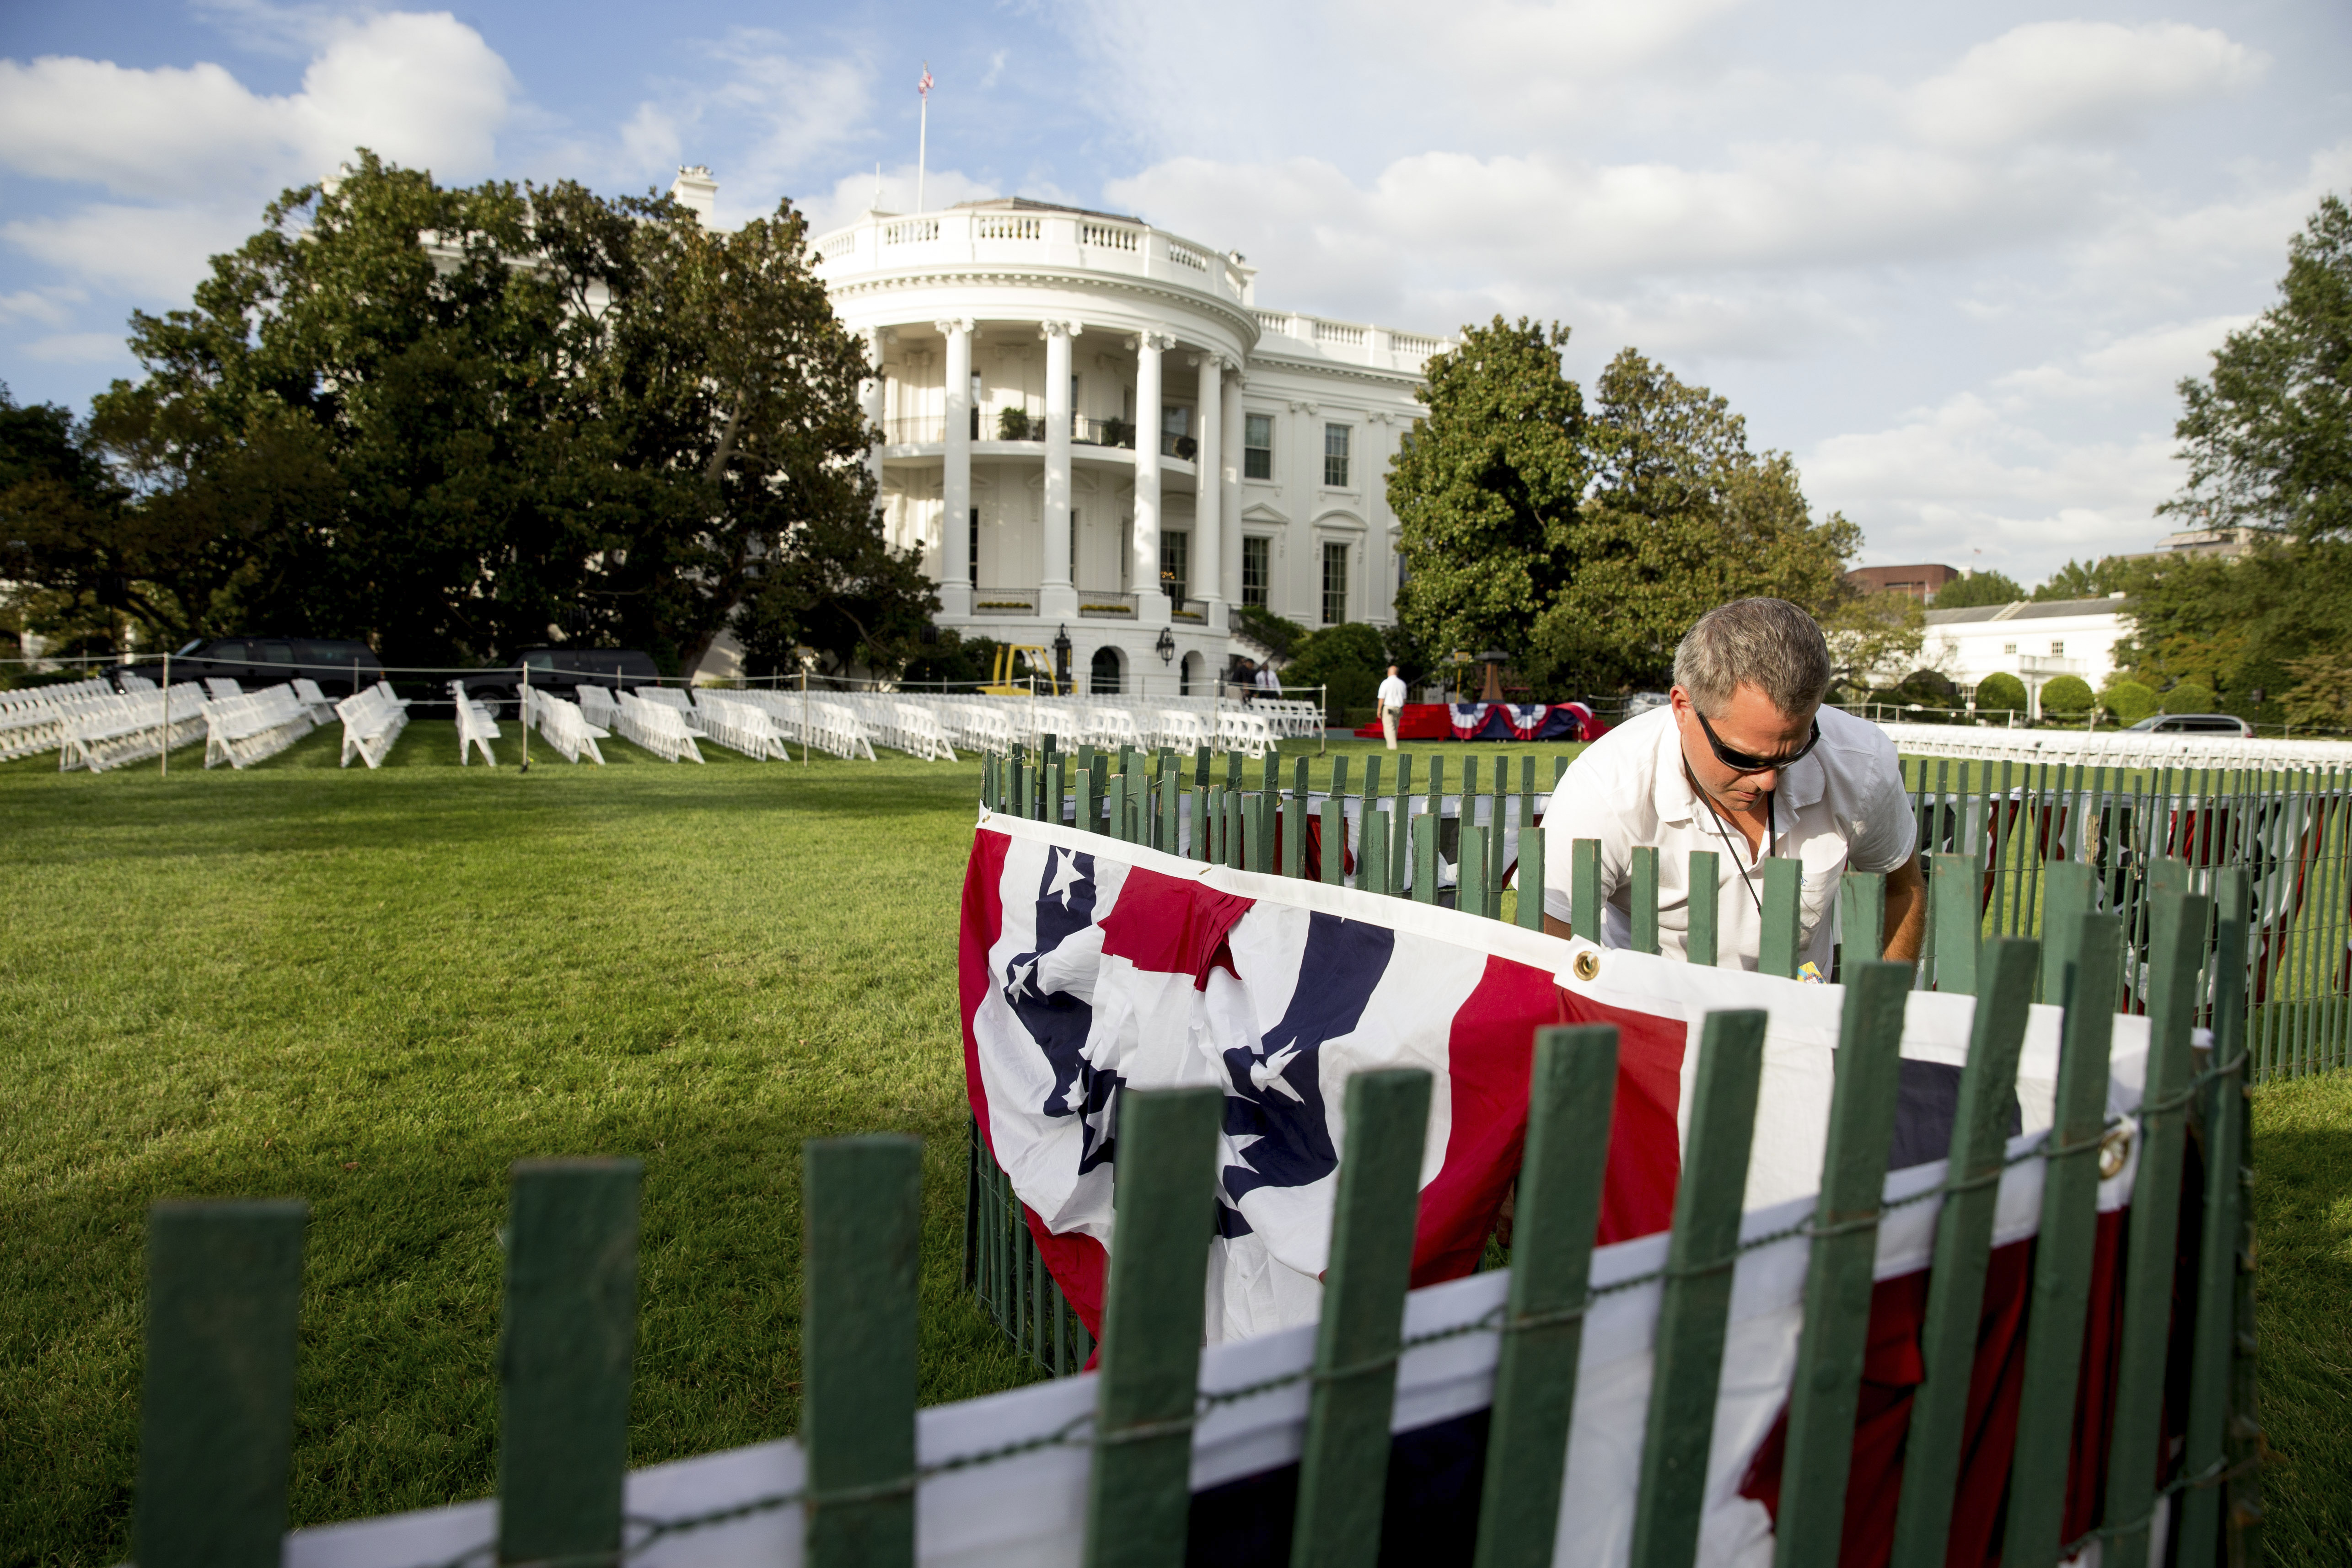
(1062, 657)
(1494, 659)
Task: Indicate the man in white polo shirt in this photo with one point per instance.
(1392, 700)
(1745, 760)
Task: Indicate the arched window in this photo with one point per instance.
(1105, 670)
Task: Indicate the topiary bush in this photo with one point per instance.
(2188, 696)
(2001, 693)
(2129, 701)
(2068, 697)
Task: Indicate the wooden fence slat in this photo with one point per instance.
(1372, 858)
(1844, 1246)
(1643, 894)
(1700, 940)
(1237, 833)
(1424, 858)
(1571, 1098)
(1343, 1464)
(1334, 868)
(568, 1335)
(2176, 932)
(1695, 1303)
(1470, 892)
(1400, 850)
(1780, 948)
(2216, 1267)
(861, 1211)
(1959, 922)
(1371, 779)
(1202, 849)
(1584, 889)
(1560, 761)
(1293, 836)
(1862, 908)
(1963, 1251)
(1171, 805)
(2065, 898)
(216, 1407)
(1138, 1497)
(1531, 877)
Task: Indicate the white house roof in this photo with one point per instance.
(2026, 610)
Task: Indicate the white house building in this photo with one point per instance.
(1091, 430)
(2036, 642)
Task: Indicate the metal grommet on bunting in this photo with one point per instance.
(1588, 965)
(2114, 1150)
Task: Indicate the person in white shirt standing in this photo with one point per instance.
(1392, 700)
(1744, 761)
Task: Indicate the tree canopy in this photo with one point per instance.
(1979, 588)
(1585, 541)
(2268, 436)
(457, 422)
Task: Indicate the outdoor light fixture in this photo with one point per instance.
(1062, 655)
(1166, 646)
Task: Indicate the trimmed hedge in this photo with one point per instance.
(2001, 693)
(2129, 701)
(2069, 695)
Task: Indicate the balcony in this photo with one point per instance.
(917, 430)
(1188, 612)
(1004, 601)
(1102, 432)
(1103, 603)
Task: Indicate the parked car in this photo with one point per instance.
(339, 665)
(2196, 724)
(561, 671)
(1640, 702)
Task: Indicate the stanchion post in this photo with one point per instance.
(163, 732)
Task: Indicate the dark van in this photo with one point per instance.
(561, 671)
(339, 665)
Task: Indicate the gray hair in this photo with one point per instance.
(1769, 644)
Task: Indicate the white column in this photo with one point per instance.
(955, 483)
(872, 401)
(1229, 550)
(1056, 599)
(1209, 493)
(1152, 604)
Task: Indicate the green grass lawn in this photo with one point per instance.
(376, 991)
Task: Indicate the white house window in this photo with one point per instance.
(1257, 446)
(2008, 647)
(1335, 456)
(971, 559)
(1174, 550)
(1257, 570)
(2057, 650)
(1335, 582)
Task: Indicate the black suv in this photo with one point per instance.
(339, 666)
(561, 671)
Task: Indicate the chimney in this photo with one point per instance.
(697, 192)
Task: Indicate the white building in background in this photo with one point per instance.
(1090, 428)
(2036, 642)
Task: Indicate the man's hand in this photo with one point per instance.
(1906, 911)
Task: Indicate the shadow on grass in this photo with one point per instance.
(2303, 1212)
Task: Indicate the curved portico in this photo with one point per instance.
(1061, 409)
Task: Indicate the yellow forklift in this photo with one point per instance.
(1040, 662)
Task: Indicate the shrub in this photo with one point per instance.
(2069, 697)
(2129, 701)
(2001, 693)
(2188, 696)
(1012, 425)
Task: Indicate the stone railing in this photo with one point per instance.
(1040, 238)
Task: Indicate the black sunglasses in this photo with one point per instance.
(1740, 762)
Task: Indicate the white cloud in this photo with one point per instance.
(157, 253)
(2092, 80)
(422, 90)
(854, 194)
(50, 306)
(77, 348)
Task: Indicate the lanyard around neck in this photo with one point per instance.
(1771, 830)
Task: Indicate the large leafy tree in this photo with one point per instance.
(457, 422)
(2268, 436)
(1487, 487)
(1987, 587)
(1682, 516)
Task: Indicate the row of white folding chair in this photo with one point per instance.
(108, 731)
(220, 688)
(675, 698)
(737, 725)
(658, 727)
(33, 697)
(372, 720)
(599, 707)
(1252, 734)
(562, 725)
(244, 730)
(917, 734)
(476, 728)
(322, 706)
(40, 725)
(133, 683)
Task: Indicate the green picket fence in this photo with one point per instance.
(225, 1278)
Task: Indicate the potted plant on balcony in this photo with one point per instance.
(1012, 425)
(1118, 433)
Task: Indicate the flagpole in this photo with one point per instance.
(922, 134)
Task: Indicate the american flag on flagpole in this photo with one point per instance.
(923, 88)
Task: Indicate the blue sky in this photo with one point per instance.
(1952, 259)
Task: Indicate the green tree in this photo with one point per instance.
(2268, 436)
(2321, 697)
(1347, 659)
(1485, 487)
(2188, 696)
(2238, 627)
(1872, 638)
(2129, 701)
(2001, 692)
(2087, 580)
(1682, 517)
(2068, 697)
(1978, 588)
